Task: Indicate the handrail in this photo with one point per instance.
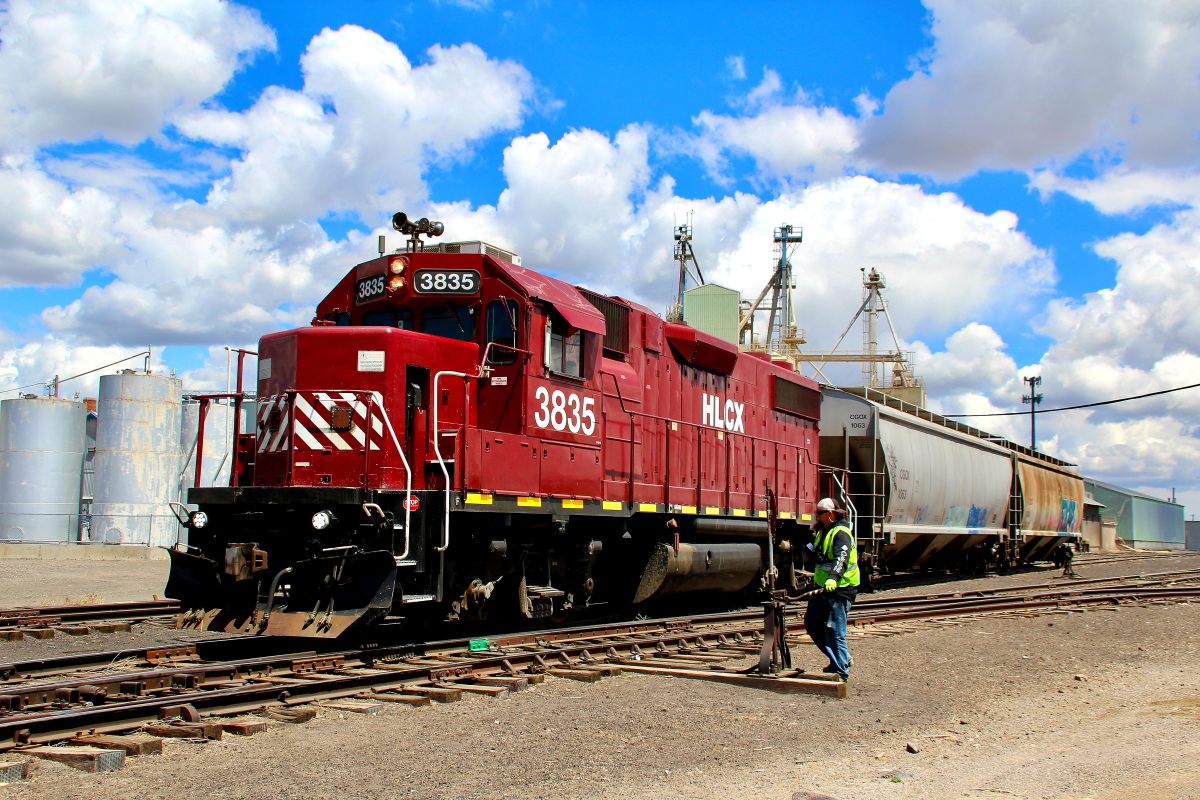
(437, 451)
(407, 477)
(480, 370)
(373, 396)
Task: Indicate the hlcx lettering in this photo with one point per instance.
(728, 417)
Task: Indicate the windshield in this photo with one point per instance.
(451, 322)
(500, 330)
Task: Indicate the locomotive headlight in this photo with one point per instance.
(398, 264)
(198, 519)
(322, 520)
(394, 283)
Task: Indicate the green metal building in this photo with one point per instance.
(1143, 522)
(713, 309)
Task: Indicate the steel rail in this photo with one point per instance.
(74, 616)
(256, 682)
(227, 648)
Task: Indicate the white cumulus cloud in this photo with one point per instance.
(1136, 338)
(49, 233)
(361, 132)
(73, 70)
(1015, 85)
(788, 137)
(252, 258)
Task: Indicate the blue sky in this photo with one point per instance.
(1025, 174)
(602, 66)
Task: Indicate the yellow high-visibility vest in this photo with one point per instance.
(824, 549)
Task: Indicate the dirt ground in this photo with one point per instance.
(1100, 705)
(47, 582)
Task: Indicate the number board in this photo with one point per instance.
(562, 409)
(446, 281)
(370, 288)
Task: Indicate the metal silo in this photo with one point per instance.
(218, 455)
(41, 463)
(137, 459)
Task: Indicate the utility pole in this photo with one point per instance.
(1033, 398)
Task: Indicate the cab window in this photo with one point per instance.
(565, 354)
(395, 318)
(450, 322)
(501, 331)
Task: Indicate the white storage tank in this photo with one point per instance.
(218, 438)
(137, 461)
(41, 465)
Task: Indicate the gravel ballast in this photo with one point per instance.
(1102, 704)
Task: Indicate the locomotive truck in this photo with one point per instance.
(458, 437)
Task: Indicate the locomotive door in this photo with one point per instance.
(416, 419)
(508, 462)
(499, 399)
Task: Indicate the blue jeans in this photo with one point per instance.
(825, 622)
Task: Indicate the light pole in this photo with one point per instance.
(1033, 398)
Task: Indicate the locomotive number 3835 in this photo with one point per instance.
(561, 410)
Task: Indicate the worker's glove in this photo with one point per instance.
(830, 585)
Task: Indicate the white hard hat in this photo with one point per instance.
(826, 504)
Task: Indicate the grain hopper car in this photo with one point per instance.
(933, 493)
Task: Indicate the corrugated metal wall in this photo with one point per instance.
(713, 309)
(1142, 522)
(1157, 525)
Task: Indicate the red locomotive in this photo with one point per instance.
(456, 436)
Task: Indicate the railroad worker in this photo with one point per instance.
(1066, 556)
(836, 574)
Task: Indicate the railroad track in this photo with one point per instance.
(1090, 559)
(43, 622)
(197, 687)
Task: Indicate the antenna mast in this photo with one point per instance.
(783, 337)
(683, 254)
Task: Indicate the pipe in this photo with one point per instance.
(271, 594)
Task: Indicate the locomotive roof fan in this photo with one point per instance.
(414, 228)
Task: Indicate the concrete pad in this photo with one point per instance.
(87, 759)
(11, 771)
(355, 708)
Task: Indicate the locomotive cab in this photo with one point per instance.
(456, 436)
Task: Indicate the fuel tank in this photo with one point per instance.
(698, 568)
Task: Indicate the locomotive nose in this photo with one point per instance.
(316, 597)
